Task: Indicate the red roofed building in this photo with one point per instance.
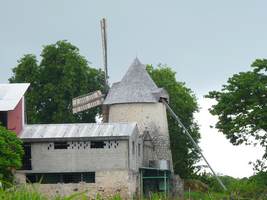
(12, 106)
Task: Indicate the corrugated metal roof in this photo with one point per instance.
(10, 95)
(136, 86)
(79, 130)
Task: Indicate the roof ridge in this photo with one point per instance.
(108, 123)
(136, 86)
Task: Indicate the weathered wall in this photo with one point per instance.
(147, 115)
(151, 117)
(15, 118)
(75, 160)
(148, 153)
(107, 183)
(116, 167)
(136, 152)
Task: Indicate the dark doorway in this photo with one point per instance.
(154, 181)
(27, 163)
(3, 118)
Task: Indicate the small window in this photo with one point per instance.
(88, 177)
(71, 177)
(54, 178)
(133, 148)
(26, 161)
(49, 178)
(61, 145)
(31, 178)
(97, 144)
(139, 149)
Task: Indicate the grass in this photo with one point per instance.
(29, 192)
(205, 196)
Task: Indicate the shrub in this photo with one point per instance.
(11, 153)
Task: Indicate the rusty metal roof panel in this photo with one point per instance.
(11, 94)
(78, 130)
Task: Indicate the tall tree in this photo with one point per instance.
(11, 153)
(183, 102)
(242, 106)
(61, 75)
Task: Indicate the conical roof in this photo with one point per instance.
(135, 87)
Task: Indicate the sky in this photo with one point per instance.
(205, 42)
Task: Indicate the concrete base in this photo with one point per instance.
(108, 183)
(177, 187)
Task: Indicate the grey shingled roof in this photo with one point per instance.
(135, 87)
(45, 132)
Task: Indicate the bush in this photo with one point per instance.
(254, 187)
(11, 153)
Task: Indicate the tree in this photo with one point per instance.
(61, 75)
(242, 106)
(183, 102)
(11, 152)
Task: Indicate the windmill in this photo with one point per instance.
(96, 98)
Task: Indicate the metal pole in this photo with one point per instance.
(141, 184)
(105, 109)
(104, 46)
(165, 184)
(192, 140)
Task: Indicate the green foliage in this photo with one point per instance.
(254, 187)
(157, 196)
(242, 106)
(21, 194)
(61, 75)
(30, 192)
(205, 196)
(11, 153)
(183, 102)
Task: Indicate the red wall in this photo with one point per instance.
(14, 119)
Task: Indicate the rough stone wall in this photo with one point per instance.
(148, 152)
(177, 187)
(136, 152)
(150, 117)
(108, 183)
(45, 159)
(147, 115)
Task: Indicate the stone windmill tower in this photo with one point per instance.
(136, 98)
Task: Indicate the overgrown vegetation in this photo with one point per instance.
(237, 190)
(241, 107)
(11, 153)
(30, 192)
(254, 187)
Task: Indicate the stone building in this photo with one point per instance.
(101, 158)
(129, 154)
(136, 98)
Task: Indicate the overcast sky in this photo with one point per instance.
(205, 42)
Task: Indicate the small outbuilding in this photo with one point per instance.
(104, 158)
